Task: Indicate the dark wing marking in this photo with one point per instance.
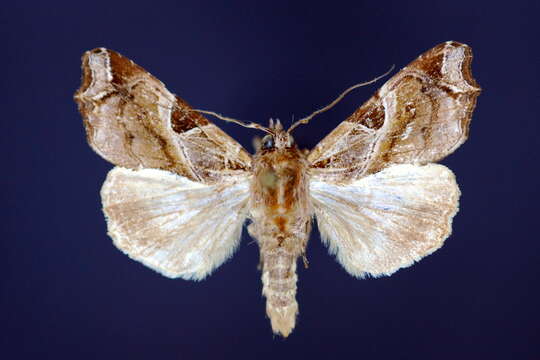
(419, 116)
(133, 121)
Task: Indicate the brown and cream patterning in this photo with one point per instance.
(182, 189)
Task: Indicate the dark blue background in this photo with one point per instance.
(68, 293)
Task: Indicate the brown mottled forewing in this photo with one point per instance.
(133, 121)
(420, 115)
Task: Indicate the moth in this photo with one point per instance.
(182, 189)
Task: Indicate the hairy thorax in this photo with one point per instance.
(279, 206)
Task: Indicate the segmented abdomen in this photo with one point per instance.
(279, 288)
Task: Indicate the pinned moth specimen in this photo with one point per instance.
(182, 189)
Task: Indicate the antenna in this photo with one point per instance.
(241, 123)
(338, 99)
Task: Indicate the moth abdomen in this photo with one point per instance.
(279, 287)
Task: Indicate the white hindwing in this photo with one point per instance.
(171, 224)
(388, 220)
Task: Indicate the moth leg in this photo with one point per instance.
(260, 266)
(252, 232)
(304, 257)
(305, 260)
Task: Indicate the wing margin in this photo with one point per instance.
(133, 121)
(388, 220)
(420, 115)
(177, 227)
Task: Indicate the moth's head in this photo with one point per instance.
(277, 138)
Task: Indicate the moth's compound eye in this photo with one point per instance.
(267, 142)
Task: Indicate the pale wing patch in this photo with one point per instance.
(388, 220)
(171, 224)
